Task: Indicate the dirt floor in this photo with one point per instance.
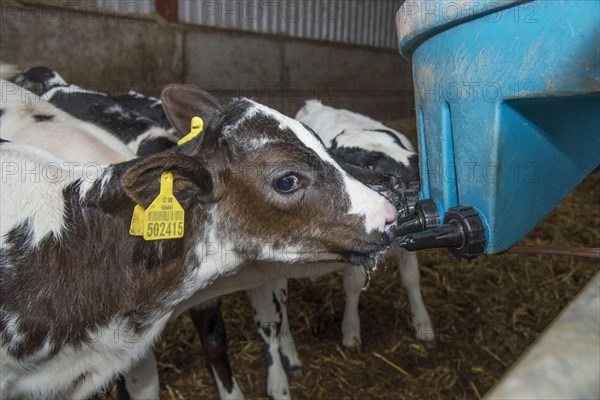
(485, 312)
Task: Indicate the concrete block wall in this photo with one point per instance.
(107, 51)
(117, 52)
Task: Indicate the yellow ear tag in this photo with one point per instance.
(197, 126)
(164, 218)
(137, 221)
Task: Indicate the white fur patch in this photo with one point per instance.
(142, 380)
(135, 94)
(374, 141)
(217, 259)
(114, 109)
(303, 134)
(267, 316)
(8, 71)
(32, 185)
(234, 394)
(99, 360)
(355, 279)
(366, 202)
(153, 132)
(88, 181)
(156, 102)
(328, 122)
(11, 328)
(67, 89)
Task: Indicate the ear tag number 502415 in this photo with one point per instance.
(164, 218)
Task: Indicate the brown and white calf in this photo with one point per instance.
(360, 144)
(355, 141)
(81, 300)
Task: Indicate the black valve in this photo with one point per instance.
(472, 229)
(424, 216)
(462, 233)
(406, 197)
(446, 235)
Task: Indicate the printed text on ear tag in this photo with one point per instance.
(137, 221)
(196, 129)
(164, 218)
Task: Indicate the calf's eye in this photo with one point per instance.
(287, 184)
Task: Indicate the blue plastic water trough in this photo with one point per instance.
(508, 107)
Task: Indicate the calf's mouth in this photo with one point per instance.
(368, 255)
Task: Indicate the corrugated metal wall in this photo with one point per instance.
(361, 22)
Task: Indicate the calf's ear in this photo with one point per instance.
(192, 181)
(183, 102)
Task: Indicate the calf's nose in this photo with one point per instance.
(391, 217)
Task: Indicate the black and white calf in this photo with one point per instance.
(354, 140)
(148, 106)
(28, 119)
(137, 120)
(359, 140)
(252, 188)
(41, 80)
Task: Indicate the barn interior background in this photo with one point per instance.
(486, 312)
(278, 52)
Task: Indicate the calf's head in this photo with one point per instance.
(381, 151)
(40, 79)
(265, 185)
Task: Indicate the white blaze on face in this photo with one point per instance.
(363, 201)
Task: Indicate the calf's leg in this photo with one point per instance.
(209, 324)
(140, 382)
(355, 280)
(287, 346)
(408, 265)
(268, 317)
